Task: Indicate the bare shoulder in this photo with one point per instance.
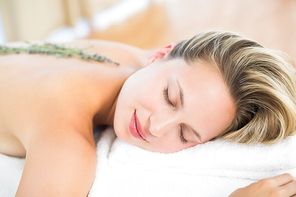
(60, 150)
(58, 165)
(126, 55)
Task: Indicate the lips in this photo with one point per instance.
(135, 128)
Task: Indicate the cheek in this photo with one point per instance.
(143, 92)
(168, 148)
(136, 94)
(170, 144)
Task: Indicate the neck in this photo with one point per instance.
(106, 117)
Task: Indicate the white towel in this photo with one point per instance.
(11, 169)
(215, 168)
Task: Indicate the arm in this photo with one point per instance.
(280, 186)
(58, 165)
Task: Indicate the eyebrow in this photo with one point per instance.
(182, 104)
(195, 133)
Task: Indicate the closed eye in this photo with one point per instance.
(182, 135)
(166, 96)
(167, 99)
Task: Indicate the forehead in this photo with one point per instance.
(207, 99)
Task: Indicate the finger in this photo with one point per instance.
(289, 189)
(283, 179)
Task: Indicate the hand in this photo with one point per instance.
(280, 186)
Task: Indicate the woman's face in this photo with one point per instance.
(169, 106)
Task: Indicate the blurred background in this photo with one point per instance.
(149, 23)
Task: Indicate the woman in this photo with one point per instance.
(50, 106)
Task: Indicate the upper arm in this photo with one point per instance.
(60, 165)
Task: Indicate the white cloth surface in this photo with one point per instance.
(215, 168)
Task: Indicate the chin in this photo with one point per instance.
(116, 129)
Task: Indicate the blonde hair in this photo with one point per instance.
(261, 83)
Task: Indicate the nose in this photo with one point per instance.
(162, 123)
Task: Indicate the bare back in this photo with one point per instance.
(39, 90)
(48, 105)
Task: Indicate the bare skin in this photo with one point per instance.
(48, 111)
(282, 185)
(49, 108)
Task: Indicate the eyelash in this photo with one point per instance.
(182, 136)
(167, 99)
(166, 96)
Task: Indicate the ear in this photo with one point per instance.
(160, 53)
